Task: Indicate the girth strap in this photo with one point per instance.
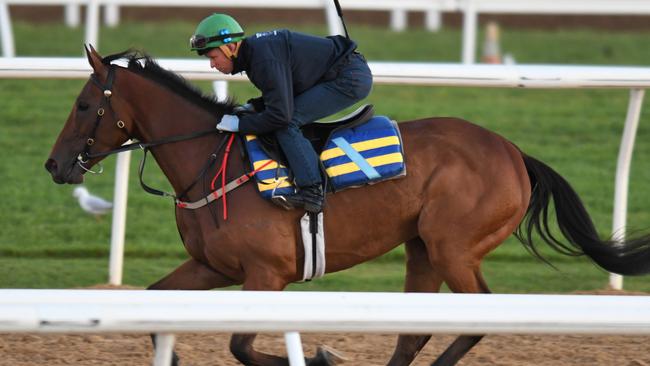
(216, 194)
(221, 191)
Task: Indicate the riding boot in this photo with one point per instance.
(310, 198)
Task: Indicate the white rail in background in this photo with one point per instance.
(471, 9)
(416, 73)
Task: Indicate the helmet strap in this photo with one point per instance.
(230, 54)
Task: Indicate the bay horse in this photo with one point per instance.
(467, 189)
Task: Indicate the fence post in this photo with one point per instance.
(8, 49)
(398, 20)
(72, 15)
(469, 32)
(623, 173)
(112, 15)
(164, 349)
(433, 20)
(118, 228)
(220, 88)
(334, 25)
(92, 23)
(294, 349)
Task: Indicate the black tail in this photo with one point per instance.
(629, 257)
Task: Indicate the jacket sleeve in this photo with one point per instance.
(273, 79)
(257, 103)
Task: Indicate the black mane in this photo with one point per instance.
(143, 64)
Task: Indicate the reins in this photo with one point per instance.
(202, 172)
(147, 145)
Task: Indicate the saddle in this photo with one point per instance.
(355, 150)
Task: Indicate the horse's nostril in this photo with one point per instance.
(50, 165)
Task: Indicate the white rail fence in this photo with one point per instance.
(167, 312)
(471, 9)
(637, 79)
(72, 14)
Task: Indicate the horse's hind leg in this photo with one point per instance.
(456, 244)
(467, 281)
(420, 277)
(458, 260)
(191, 275)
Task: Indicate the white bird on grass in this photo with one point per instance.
(92, 204)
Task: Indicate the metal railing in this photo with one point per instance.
(167, 312)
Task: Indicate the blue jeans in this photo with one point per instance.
(352, 84)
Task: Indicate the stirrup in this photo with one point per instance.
(282, 202)
(297, 201)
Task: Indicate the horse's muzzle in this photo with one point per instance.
(61, 175)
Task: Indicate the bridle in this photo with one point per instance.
(86, 155)
(106, 89)
(105, 105)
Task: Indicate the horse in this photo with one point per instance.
(467, 190)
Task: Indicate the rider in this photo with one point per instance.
(302, 78)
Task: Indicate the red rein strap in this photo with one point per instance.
(222, 171)
(225, 188)
(251, 174)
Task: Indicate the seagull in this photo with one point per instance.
(92, 204)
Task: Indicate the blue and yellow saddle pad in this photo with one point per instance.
(355, 156)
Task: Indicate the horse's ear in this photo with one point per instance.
(95, 60)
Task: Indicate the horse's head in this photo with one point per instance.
(93, 125)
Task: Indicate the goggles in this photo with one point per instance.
(200, 41)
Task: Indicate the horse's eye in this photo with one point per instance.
(82, 106)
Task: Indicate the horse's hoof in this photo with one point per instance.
(175, 360)
(326, 356)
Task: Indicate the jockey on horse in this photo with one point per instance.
(302, 78)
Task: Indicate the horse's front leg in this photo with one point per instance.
(191, 275)
(241, 345)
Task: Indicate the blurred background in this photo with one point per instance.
(48, 241)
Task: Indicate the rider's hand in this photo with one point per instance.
(228, 123)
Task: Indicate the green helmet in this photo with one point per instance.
(214, 31)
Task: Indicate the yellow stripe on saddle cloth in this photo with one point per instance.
(272, 178)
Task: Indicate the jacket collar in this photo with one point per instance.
(242, 61)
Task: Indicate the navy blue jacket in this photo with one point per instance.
(283, 64)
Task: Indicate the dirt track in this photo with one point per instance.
(210, 349)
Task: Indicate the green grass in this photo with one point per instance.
(47, 242)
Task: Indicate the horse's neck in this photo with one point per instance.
(159, 114)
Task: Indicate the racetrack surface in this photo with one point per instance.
(360, 349)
